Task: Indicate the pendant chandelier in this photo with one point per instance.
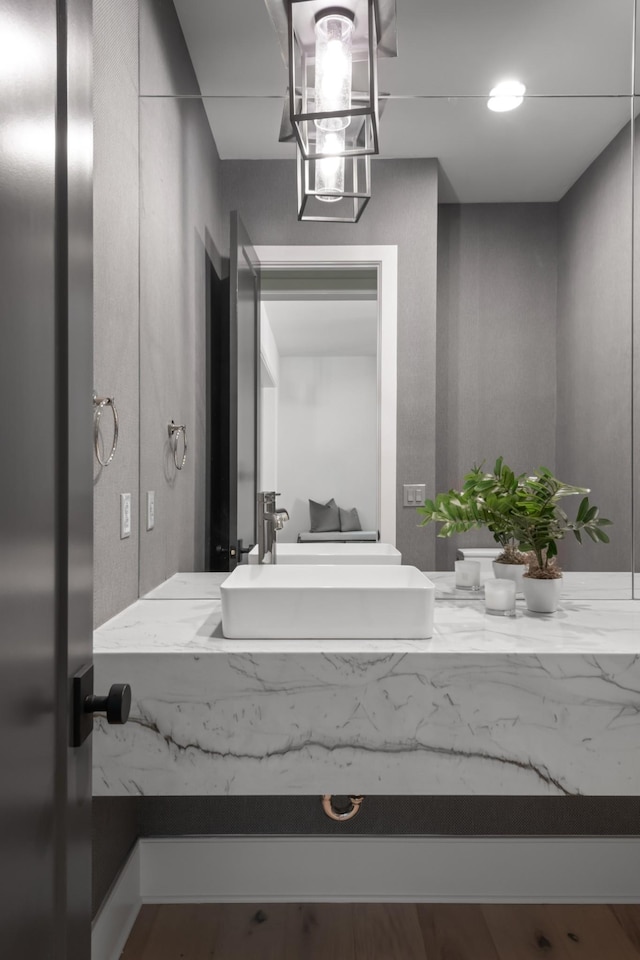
(333, 188)
(330, 52)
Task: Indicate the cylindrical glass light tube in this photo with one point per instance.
(330, 172)
(333, 68)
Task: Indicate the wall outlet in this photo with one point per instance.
(414, 494)
(125, 515)
(151, 509)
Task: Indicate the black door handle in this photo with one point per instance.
(225, 551)
(116, 705)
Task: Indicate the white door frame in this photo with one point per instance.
(385, 259)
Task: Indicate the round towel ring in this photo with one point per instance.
(341, 815)
(100, 403)
(175, 429)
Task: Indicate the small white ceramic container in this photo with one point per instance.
(510, 571)
(542, 596)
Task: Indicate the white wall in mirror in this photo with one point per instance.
(268, 405)
(328, 392)
(319, 411)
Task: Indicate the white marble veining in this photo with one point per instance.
(533, 705)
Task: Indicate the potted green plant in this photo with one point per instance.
(539, 522)
(525, 517)
(486, 500)
(495, 494)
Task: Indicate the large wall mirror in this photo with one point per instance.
(636, 353)
(515, 275)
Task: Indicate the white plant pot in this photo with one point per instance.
(542, 596)
(510, 571)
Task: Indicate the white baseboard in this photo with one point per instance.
(118, 913)
(366, 869)
(410, 869)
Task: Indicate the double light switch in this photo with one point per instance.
(414, 494)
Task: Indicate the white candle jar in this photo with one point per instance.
(500, 597)
(467, 574)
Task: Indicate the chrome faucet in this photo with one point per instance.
(270, 521)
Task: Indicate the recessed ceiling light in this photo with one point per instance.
(506, 96)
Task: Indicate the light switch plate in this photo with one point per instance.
(151, 509)
(414, 494)
(125, 515)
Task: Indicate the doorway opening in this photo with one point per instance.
(328, 381)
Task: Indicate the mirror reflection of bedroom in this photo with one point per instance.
(319, 400)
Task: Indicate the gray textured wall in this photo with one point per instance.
(173, 213)
(179, 222)
(402, 211)
(594, 349)
(115, 212)
(496, 353)
(115, 830)
(165, 64)
(534, 336)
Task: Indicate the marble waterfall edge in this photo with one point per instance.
(524, 707)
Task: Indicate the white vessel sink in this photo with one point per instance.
(316, 601)
(360, 553)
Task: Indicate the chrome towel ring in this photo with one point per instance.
(99, 404)
(175, 429)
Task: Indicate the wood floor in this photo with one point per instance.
(374, 931)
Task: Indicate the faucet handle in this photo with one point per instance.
(279, 517)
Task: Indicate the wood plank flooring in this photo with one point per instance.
(377, 931)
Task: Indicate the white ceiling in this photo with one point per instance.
(565, 51)
(324, 328)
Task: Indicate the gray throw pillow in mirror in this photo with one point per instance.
(324, 517)
(349, 520)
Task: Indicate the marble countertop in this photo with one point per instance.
(189, 586)
(489, 705)
(188, 620)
